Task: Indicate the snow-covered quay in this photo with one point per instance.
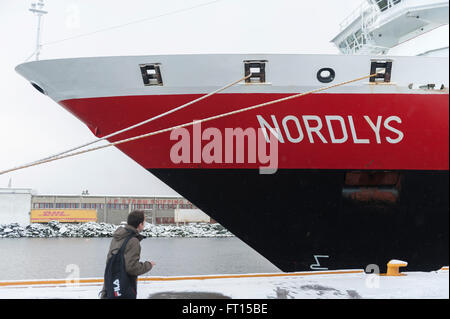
(317, 285)
(91, 229)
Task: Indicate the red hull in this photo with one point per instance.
(417, 139)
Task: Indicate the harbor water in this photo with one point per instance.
(59, 258)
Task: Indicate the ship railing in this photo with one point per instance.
(356, 13)
(371, 50)
(368, 11)
(361, 45)
(356, 41)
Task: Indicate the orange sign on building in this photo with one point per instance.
(63, 215)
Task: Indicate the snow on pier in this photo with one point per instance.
(352, 284)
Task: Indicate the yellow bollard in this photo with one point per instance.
(393, 267)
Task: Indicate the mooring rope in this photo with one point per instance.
(144, 122)
(186, 124)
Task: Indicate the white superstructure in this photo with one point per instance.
(396, 27)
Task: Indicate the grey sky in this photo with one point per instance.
(32, 126)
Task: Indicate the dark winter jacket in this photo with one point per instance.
(132, 253)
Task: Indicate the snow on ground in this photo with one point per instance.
(416, 285)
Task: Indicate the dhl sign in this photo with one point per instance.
(63, 215)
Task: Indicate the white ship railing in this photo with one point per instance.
(366, 15)
(369, 11)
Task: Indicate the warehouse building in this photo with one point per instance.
(24, 207)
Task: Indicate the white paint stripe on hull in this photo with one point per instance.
(65, 79)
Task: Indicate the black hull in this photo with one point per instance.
(293, 215)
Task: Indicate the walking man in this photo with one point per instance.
(132, 250)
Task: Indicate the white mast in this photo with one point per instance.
(37, 9)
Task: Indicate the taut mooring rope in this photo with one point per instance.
(186, 124)
(143, 122)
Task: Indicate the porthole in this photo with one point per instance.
(325, 75)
